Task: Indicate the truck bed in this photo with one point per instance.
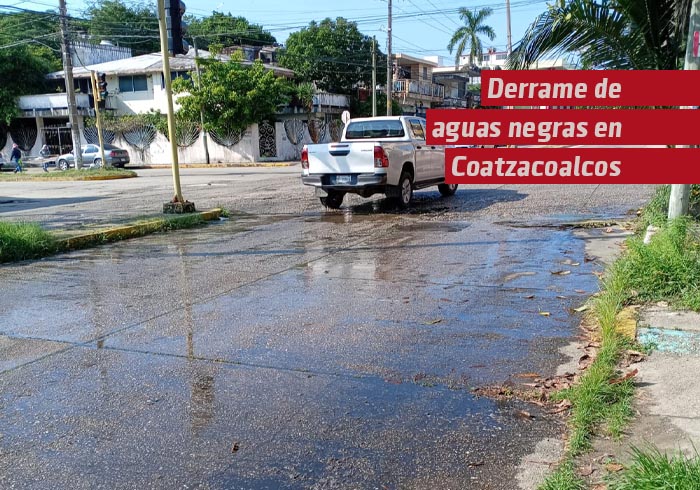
(342, 158)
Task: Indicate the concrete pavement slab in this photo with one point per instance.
(94, 418)
(16, 352)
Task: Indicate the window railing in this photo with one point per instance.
(419, 87)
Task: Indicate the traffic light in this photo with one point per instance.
(99, 89)
(176, 27)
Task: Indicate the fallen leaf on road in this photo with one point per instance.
(584, 361)
(475, 463)
(609, 230)
(561, 297)
(581, 308)
(579, 291)
(561, 273)
(524, 414)
(529, 296)
(235, 447)
(434, 322)
(586, 471)
(561, 406)
(614, 467)
(527, 375)
(544, 313)
(629, 375)
(634, 356)
(575, 264)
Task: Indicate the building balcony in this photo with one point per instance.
(56, 105)
(418, 89)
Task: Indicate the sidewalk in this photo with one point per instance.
(34, 167)
(216, 165)
(667, 399)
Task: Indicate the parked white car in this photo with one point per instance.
(376, 155)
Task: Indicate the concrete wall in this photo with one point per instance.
(158, 153)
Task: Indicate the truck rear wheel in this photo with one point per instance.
(403, 193)
(447, 189)
(333, 200)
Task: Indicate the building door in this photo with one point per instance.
(58, 138)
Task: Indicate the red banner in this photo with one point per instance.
(590, 87)
(557, 127)
(572, 165)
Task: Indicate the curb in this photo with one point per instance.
(123, 232)
(216, 165)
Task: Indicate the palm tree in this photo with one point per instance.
(611, 34)
(469, 33)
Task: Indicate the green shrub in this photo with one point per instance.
(21, 241)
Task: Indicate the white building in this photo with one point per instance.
(136, 86)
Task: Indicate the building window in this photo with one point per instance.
(136, 83)
(173, 76)
(417, 129)
(502, 56)
(425, 73)
(486, 57)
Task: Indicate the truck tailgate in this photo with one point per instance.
(342, 158)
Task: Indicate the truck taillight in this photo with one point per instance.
(380, 158)
(305, 157)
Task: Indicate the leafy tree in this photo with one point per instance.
(612, 34)
(469, 33)
(37, 31)
(227, 30)
(22, 72)
(333, 54)
(232, 95)
(364, 108)
(135, 26)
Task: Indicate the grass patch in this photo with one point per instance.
(88, 174)
(656, 211)
(668, 269)
(595, 400)
(652, 470)
(597, 403)
(564, 478)
(21, 241)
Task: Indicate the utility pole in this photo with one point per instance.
(201, 109)
(509, 47)
(680, 193)
(70, 87)
(169, 96)
(389, 65)
(374, 76)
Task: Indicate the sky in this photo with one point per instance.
(420, 27)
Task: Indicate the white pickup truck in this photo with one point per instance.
(375, 155)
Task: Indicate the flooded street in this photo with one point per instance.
(289, 346)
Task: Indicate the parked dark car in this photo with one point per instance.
(115, 156)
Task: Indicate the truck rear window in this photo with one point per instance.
(363, 130)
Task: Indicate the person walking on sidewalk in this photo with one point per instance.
(16, 156)
(45, 152)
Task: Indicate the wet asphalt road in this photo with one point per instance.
(287, 347)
